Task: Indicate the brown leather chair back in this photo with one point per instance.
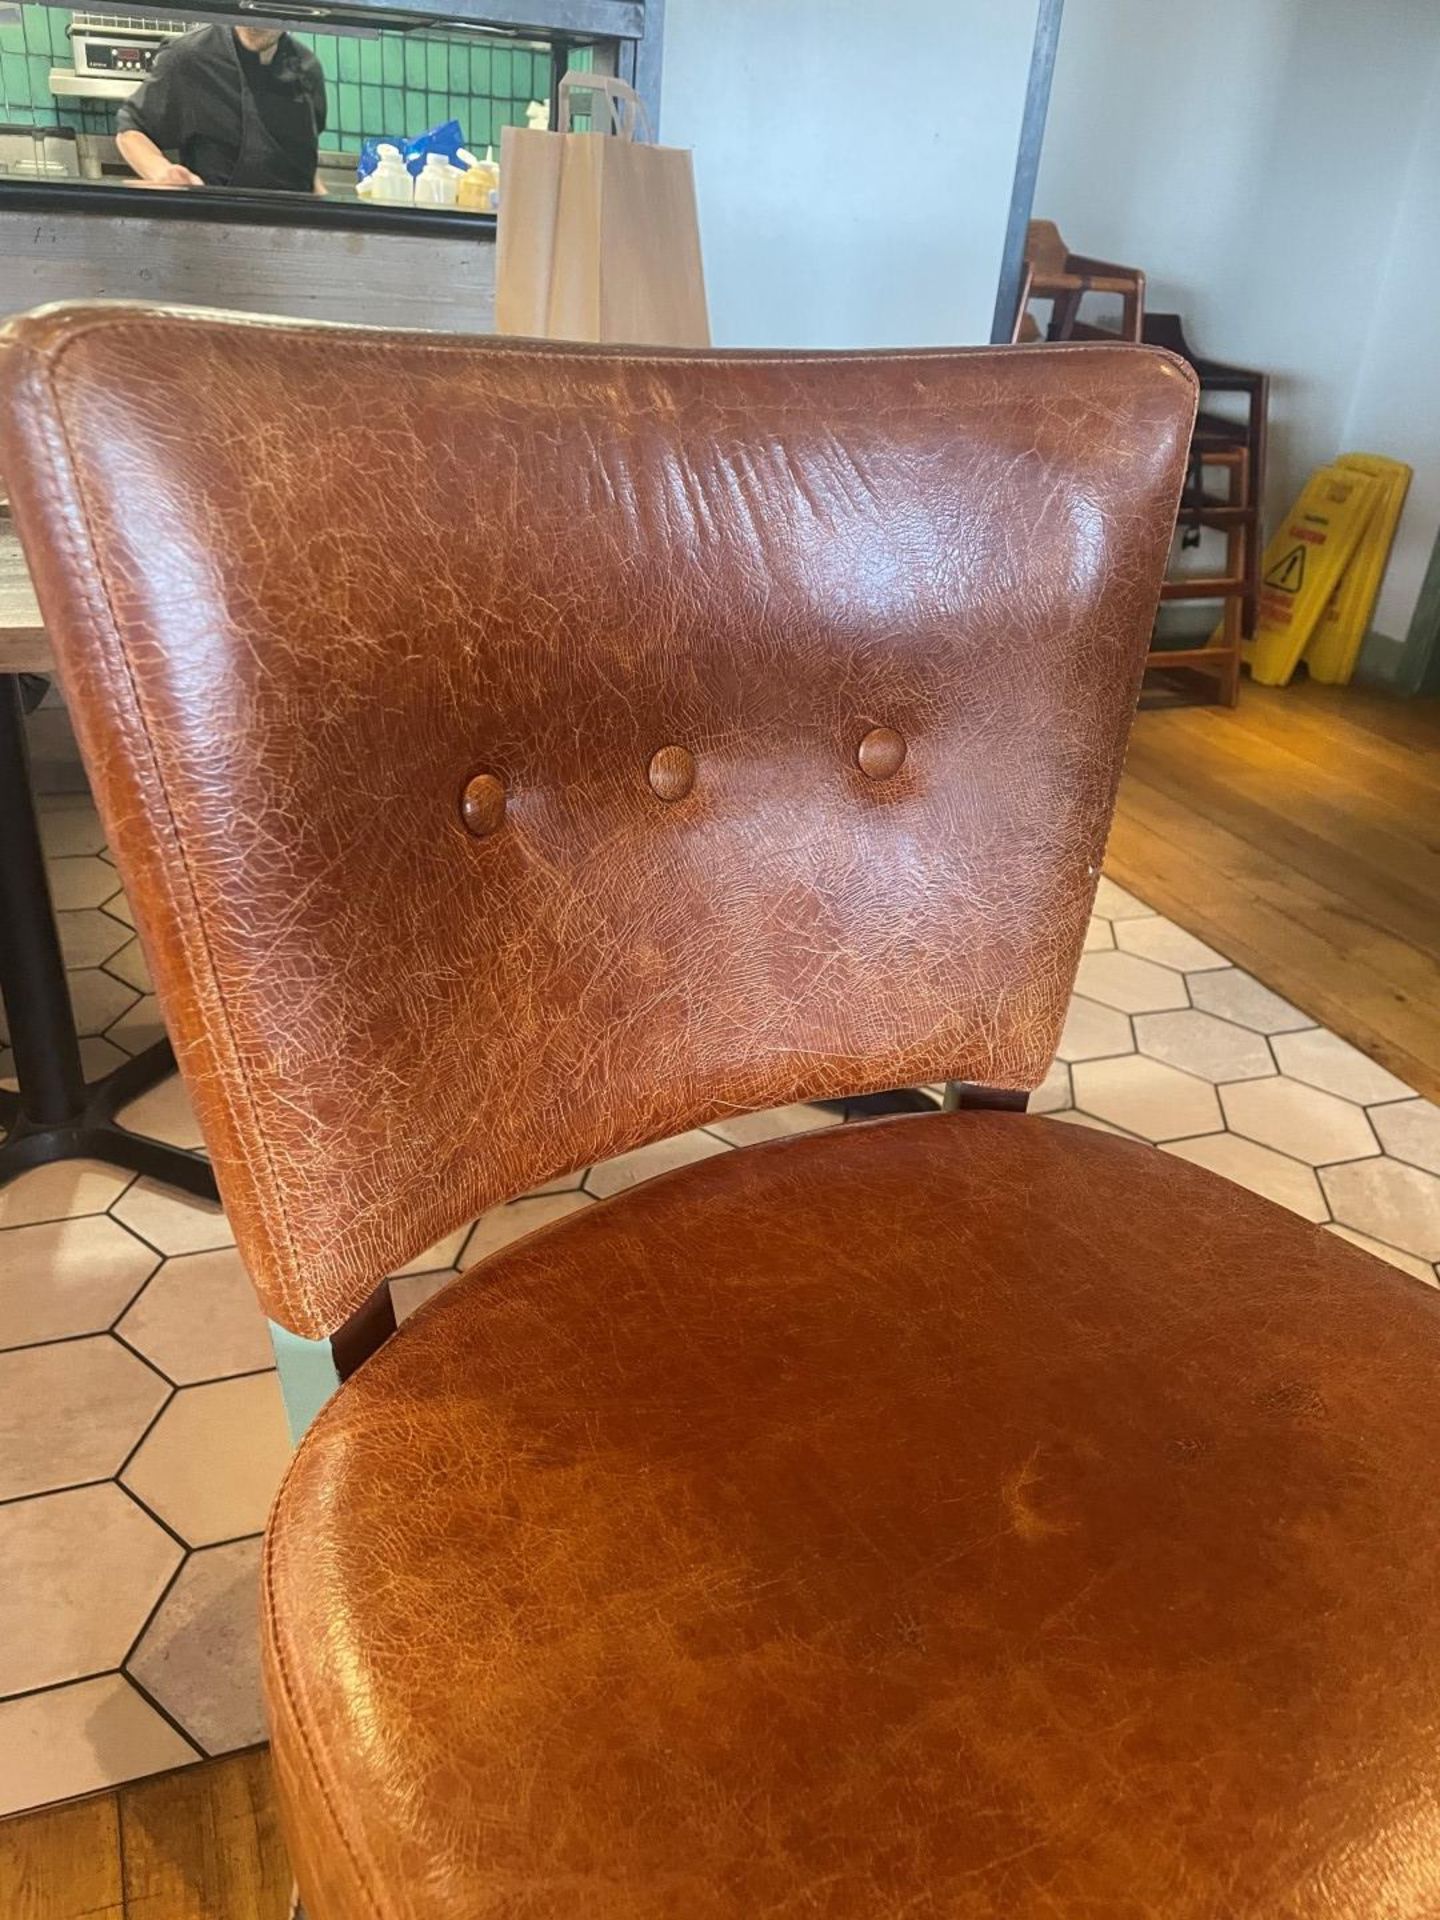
(518, 753)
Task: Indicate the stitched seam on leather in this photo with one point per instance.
(66, 459)
(292, 1702)
(262, 1167)
(390, 339)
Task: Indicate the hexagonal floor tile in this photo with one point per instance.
(1233, 995)
(69, 829)
(1201, 1044)
(68, 1277)
(444, 1253)
(1099, 935)
(71, 1412)
(118, 907)
(776, 1123)
(1411, 1131)
(1072, 1117)
(76, 1740)
(1169, 945)
(1309, 1125)
(643, 1163)
(211, 1463)
(164, 1113)
(1393, 1203)
(415, 1289)
(97, 998)
(82, 1571)
(198, 1319)
(502, 1225)
(1407, 1262)
(140, 1027)
(131, 966)
(98, 1057)
(62, 1191)
(1146, 1098)
(90, 936)
(1093, 1032)
(1114, 903)
(80, 881)
(1053, 1093)
(1326, 1061)
(1129, 984)
(174, 1222)
(1274, 1175)
(200, 1657)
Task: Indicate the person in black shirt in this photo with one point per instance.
(238, 106)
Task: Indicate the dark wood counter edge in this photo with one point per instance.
(226, 206)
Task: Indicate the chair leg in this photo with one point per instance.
(1237, 568)
(1022, 307)
(1134, 311)
(311, 1370)
(960, 1094)
(308, 1376)
(1063, 314)
(1229, 674)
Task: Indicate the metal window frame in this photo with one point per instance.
(631, 32)
(629, 36)
(1027, 166)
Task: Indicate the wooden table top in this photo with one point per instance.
(24, 643)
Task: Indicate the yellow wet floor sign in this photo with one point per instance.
(1321, 573)
(1303, 565)
(1335, 645)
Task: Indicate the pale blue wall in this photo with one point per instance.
(1272, 166)
(853, 162)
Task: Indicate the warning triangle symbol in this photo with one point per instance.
(1288, 573)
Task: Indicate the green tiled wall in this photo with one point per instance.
(27, 53)
(393, 85)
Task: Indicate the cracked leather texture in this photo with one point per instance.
(305, 583)
(961, 1517)
(954, 1518)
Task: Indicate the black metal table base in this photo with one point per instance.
(56, 1115)
(93, 1133)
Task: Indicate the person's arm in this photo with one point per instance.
(315, 81)
(150, 120)
(142, 156)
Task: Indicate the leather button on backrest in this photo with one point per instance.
(482, 805)
(672, 773)
(881, 754)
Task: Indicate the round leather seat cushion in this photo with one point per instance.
(962, 1515)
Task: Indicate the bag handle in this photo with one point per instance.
(626, 109)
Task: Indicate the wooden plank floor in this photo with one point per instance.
(1299, 834)
(201, 1844)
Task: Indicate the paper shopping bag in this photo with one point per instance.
(598, 236)
(525, 232)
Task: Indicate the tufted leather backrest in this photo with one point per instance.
(517, 753)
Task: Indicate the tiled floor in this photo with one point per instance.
(141, 1433)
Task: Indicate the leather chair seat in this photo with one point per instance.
(961, 1515)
